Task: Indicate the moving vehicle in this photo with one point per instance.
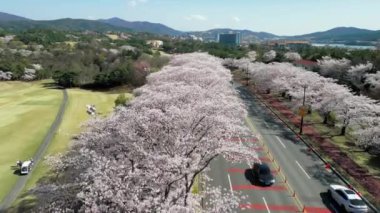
(347, 199)
(262, 172)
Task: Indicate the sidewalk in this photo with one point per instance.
(325, 146)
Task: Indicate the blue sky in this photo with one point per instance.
(282, 17)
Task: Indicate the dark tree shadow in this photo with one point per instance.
(52, 86)
(27, 204)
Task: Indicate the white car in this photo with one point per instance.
(26, 166)
(347, 199)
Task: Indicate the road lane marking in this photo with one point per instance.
(229, 180)
(303, 170)
(281, 142)
(266, 205)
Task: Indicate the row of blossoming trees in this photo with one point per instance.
(322, 94)
(146, 156)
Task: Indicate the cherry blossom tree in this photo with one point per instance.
(352, 109)
(333, 95)
(356, 74)
(372, 82)
(269, 56)
(252, 56)
(292, 56)
(368, 137)
(334, 68)
(146, 156)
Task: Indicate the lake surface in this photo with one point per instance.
(344, 46)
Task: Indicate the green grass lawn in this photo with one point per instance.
(26, 112)
(74, 117)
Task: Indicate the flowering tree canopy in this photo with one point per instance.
(146, 156)
(292, 56)
(269, 56)
(334, 68)
(324, 94)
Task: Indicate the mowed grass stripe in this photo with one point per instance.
(23, 126)
(75, 116)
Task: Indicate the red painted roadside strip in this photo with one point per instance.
(236, 170)
(310, 209)
(264, 188)
(271, 207)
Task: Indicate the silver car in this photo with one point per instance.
(347, 199)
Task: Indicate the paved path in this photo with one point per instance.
(18, 187)
(301, 177)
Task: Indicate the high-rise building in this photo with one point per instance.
(229, 38)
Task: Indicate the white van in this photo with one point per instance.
(26, 166)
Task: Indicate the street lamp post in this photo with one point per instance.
(302, 111)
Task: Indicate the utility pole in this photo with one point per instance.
(302, 111)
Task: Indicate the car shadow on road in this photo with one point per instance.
(248, 174)
(329, 203)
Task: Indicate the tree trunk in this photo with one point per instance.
(132, 165)
(325, 118)
(186, 194)
(343, 132)
(268, 91)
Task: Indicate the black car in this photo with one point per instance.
(262, 173)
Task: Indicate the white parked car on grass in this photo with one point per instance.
(347, 199)
(26, 166)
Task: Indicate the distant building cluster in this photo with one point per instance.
(229, 38)
(288, 43)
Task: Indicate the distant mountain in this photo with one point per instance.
(247, 35)
(139, 26)
(10, 17)
(341, 35)
(61, 24)
(345, 35)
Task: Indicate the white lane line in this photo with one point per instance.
(303, 170)
(281, 142)
(229, 180)
(266, 205)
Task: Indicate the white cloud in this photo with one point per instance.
(134, 3)
(196, 17)
(236, 19)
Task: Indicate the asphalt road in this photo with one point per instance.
(301, 177)
(18, 187)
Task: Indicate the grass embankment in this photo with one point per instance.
(75, 116)
(26, 112)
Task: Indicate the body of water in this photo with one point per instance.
(344, 46)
